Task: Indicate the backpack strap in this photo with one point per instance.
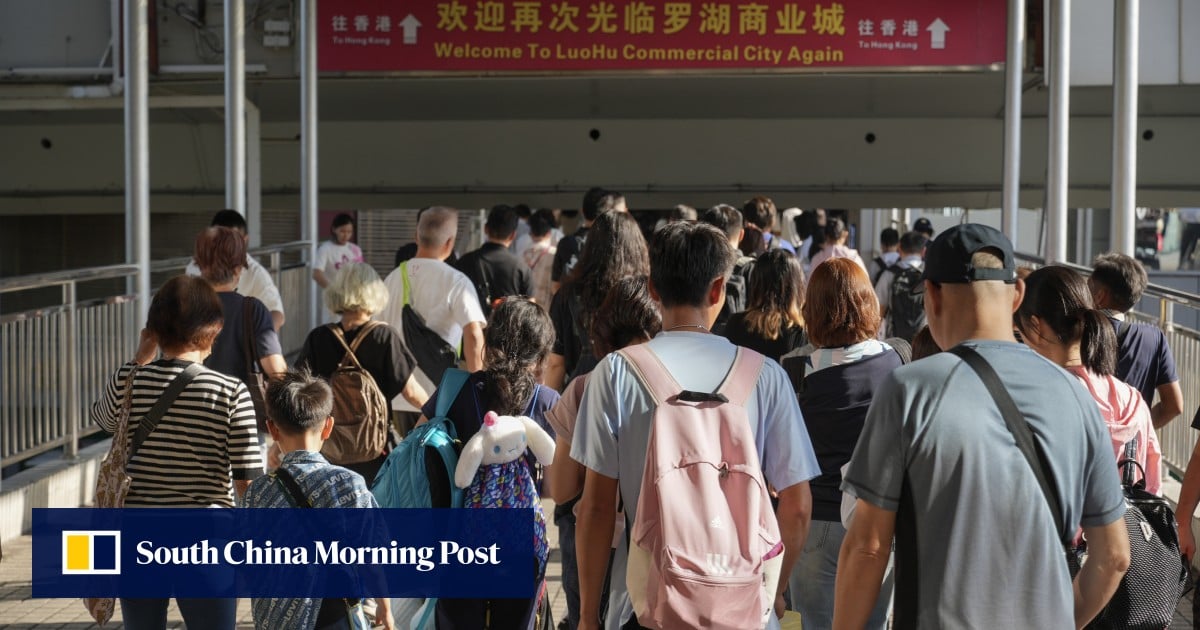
(736, 387)
(299, 499)
(249, 348)
(742, 377)
(650, 370)
(404, 283)
(452, 383)
(352, 348)
(148, 422)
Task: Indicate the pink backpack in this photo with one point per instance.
(705, 550)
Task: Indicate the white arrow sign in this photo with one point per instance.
(410, 25)
(937, 34)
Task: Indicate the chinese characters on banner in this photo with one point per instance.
(449, 36)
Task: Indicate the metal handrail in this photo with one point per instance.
(1152, 290)
(45, 371)
(56, 278)
(167, 264)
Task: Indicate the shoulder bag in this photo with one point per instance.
(355, 616)
(112, 480)
(1157, 575)
(255, 381)
(434, 356)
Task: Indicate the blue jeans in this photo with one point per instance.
(570, 566)
(815, 573)
(151, 614)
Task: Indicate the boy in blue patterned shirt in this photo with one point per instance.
(298, 410)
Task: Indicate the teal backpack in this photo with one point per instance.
(403, 482)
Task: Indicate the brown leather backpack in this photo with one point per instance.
(360, 410)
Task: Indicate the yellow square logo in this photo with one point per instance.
(91, 552)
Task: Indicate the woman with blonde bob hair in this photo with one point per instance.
(835, 377)
(355, 294)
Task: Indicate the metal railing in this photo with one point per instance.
(1177, 438)
(54, 361)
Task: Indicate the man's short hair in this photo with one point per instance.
(230, 219)
(913, 243)
(682, 212)
(760, 211)
(219, 252)
(523, 210)
(889, 237)
(592, 200)
(501, 222)
(685, 258)
(540, 224)
(340, 220)
(724, 217)
(436, 226)
(1123, 276)
(299, 402)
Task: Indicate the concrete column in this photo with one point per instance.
(1013, 91)
(137, 148)
(1125, 111)
(1059, 70)
(235, 105)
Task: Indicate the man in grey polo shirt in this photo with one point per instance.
(936, 466)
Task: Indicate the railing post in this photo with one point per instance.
(276, 273)
(69, 373)
(1166, 314)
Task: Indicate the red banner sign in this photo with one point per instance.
(484, 36)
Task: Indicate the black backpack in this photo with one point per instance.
(881, 267)
(737, 288)
(906, 305)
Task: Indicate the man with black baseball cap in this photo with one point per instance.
(924, 226)
(978, 544)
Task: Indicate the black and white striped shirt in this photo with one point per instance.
(204, 441)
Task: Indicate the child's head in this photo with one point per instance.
(299, 403)
(517, 340)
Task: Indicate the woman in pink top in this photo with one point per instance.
(836, 234)
(1058, 320)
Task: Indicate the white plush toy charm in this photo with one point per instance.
(495, 473)
(502, 440)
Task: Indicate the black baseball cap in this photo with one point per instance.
(923, 224)
(948, 257)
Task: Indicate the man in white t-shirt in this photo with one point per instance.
(335, 253)
(255, 280)
(439, 293)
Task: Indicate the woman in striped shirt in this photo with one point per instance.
(205, 446)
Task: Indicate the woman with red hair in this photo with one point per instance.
(835, 377)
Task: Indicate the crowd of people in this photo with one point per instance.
(749, 420)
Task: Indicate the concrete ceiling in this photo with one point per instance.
(754, 96)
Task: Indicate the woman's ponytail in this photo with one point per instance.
(1098, 344)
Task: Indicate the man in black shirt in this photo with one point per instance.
(595, 201)
(494, 270)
